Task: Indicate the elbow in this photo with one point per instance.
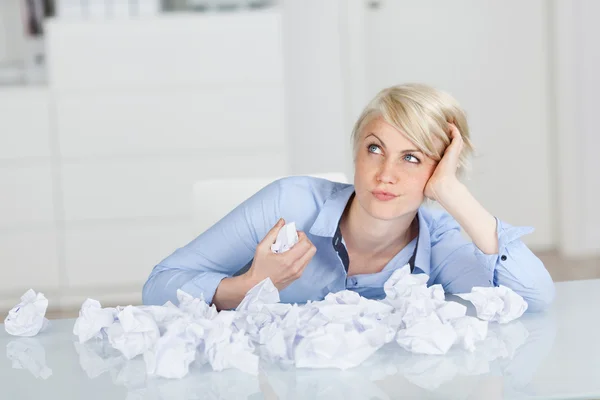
(543, 297)
(147, 294)
(150, 294)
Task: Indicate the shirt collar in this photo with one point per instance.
(423, 257)
(329, 217)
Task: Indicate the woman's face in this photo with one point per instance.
(390, 172)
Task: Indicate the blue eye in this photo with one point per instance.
(412, 159)
(373, 148)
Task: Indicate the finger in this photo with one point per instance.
(296, 252)
(303, 261)
(302, 236)
(454, 132)
(271, 236)
(299, 249)
(456, 143)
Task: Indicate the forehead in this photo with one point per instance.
(391, 137)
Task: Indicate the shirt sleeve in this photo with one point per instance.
(218, 253)
(459, 265)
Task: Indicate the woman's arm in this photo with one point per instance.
(459, 265)
(497, 246)
(475, 220)
(445, 188)
(199, 267)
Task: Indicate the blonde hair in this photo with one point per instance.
(422, 113)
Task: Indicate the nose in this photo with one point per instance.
(387, 173)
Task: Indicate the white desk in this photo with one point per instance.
(551, 355)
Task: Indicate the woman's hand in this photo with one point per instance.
(444, 176)
(444, 187)
(283, 268)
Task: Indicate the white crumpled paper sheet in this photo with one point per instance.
(342, 331)
(28, 317)
(93, 319)
(286, 238)
(497, 304)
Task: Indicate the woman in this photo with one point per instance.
(410, 143)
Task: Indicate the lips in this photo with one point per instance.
(383, 195)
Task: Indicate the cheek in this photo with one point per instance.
(417, 178)
(364, 166)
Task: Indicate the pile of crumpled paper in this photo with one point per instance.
(341, 331)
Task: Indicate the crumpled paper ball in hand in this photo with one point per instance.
(286, 238)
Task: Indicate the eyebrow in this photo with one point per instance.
(383, 145)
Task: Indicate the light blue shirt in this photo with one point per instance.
(316, 206)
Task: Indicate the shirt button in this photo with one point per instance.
(503, 258)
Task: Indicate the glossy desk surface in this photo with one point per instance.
(555, 355)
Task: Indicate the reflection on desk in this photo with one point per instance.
(29, 354)
(552, 354)
(512, 351)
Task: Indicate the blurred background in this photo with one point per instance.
(110, 110)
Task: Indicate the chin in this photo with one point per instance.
(388, 211)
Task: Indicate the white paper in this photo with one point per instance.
(402, 282)
(342, 331)
(333, 347)
(469, 330)
(197, 308)
(134, 333)
(262, 293)
(92, 319)
(29, 354)
(500, 304)
(27, 317)
(427, 336)
(234, 350)
(164, 315)
(410, 297)
(175, 350)
(227, 348)
(286, 238)
(451, 310)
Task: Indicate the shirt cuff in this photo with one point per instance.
(507, 235)
(205, 284)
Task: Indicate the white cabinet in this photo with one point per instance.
(27, 196)
(145, 108)
(29, 239)
(29, 259)
(97, 171)
(24, 123)
(170, 121)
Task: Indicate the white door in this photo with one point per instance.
(493, 57)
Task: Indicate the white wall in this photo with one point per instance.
(340, 53)
(316, 113)
(577, 62)
(493, 57)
